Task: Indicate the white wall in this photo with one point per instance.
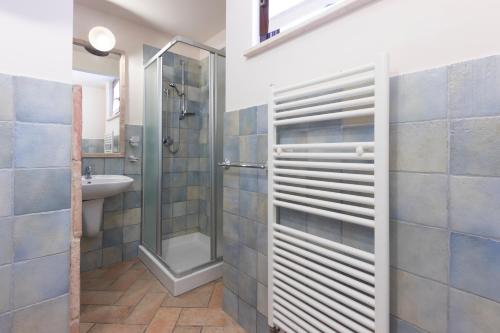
(416, 34)
(129, 37)
(93, 111)
(217, 41)
(36, 38)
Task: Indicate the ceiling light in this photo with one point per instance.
(102, 40)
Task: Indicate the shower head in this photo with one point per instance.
(173, 85)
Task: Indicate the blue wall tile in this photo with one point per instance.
(231, 200)
(114, 203)
(6, 242)
(43, 234)
(419, 96)
(248, 208)
(248, 261)
(248, 121)
(419, 301)
(230, 277)
(248, 232)
(230, 304)
(113, 166)
(97, 165)
(231, 228)
(249, 180)
(42, 101)
(6, 137)
(6, 179)
(112, 237)
(474, 205)
(357, 236)
(262, 268)
(112, 255)
(40, 190)
(131, 233)
(132, 200)
(6, 98)
(474, 147)
(130, 250)
(5, 287)
(475, 265)
(473, 88)
(420, 147)
(413, 245)
(324, 227)
(262, 120)
(248, 148)
(45, 317)
(91, 260)
(6, 322)
(41, 279)
(231, 252)
(419, 198)
(401, 326)
(231, 123)
(247, 289)
(471, 313)
(262, 325)
(54, 149)
(247, 317)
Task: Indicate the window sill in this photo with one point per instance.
(306, 26)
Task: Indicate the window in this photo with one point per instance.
(116, 98)
(277, 16)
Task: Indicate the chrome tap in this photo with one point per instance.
(88, 172)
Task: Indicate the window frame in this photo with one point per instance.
(332, 12)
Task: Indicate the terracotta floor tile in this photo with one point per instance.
(146, 309)
(126, 280)
(96, 284)
(135, 293)
(140, 299)
(104, 314)
(217, 296)
(117, 328)
(197, 298)
(158, 287)
(187, 330)
(139, 265)
(164, 320)
(116, 270)
(95, 274)
(202, 317)
(85, 327)
(99, 297)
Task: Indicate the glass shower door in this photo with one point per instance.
(187, 228)
(152, 157)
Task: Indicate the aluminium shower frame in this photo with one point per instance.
(214, 142)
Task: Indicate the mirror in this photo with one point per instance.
(103, 101)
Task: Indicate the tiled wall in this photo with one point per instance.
(445, 237)
(120, 237)
(245, 219)
(35, 204)
(185, 172)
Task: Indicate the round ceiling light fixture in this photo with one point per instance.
(101, 40)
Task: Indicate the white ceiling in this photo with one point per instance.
(196, 19)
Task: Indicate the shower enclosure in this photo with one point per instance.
(182, 186)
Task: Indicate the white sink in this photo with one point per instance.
(102, 186)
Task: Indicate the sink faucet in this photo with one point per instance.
(88, 172)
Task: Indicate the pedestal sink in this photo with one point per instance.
(94, 190)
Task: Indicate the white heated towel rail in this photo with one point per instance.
(316, 284)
